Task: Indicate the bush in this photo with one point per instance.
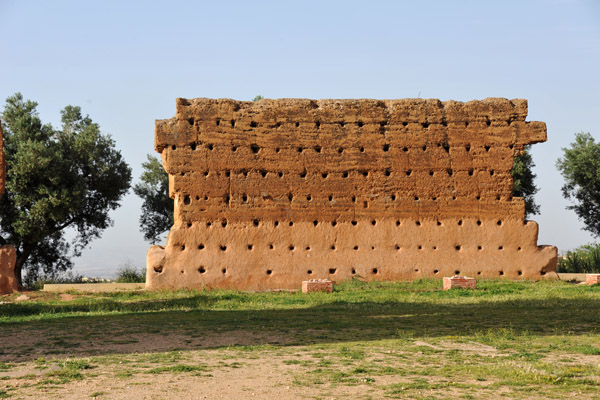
(584, 259)
(128, 273)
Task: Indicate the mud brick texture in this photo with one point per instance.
(592, 279)
(317, 285)
(461, 282)
(275, 192)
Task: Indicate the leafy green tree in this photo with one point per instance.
(157, 208)
(580, 167)
(57, 181)
(257, 98)
(523, 181)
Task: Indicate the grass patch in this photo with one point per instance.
(396, 339)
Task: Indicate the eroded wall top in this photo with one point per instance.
(344, 159)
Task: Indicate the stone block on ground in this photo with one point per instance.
(461, 282)
(592, 279)
(317, 285)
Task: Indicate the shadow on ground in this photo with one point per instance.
(144, 328)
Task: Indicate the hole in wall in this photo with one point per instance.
(309, 197)
(318, 148)
(386, 147)
(182, 248)
(269, 272)
(201, 246)
(398, 222)
(291, 223)
(340, 150)
(307, 248)
(345, 174)
(354, 223)
(309, 272)
(478, 272)
(208, 223)
(193, 146)
(460, 222)
(263, 173)
(158, 269)
(224, 270)
(300, 149)
(332, 271)
(224, 223)
(362, 149)
(276, 223)
(187, 200)
(375, 271)
(457, 272)
(397, 247)
(297, 124)
(253, 124)
(333, 223)
(223, 247)
(387, 172)
(232, 123)
(271, 246)
(324, 175)
(174, 147)
(317, 124)
(201, 269)
(315, 223)
(500, 247)
(499, 223)
(457, 247)
(255, 222)
(303, 174)
(393, 197)
(355, 247)
(218, 122)
(418, 223)
(519, 272)
(210, 146)
(487, 148)
(479, 248)
(291, 247)
(353, 271)
(435, 271)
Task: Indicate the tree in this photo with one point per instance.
(523, 181)
(56, 180)
(157, 208)
(257, 98)
(580, 167)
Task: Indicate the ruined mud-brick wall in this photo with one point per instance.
(271, 193)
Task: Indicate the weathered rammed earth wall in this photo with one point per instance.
(271, 193)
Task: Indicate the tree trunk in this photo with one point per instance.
(21, 258)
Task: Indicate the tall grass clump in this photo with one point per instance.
(129, 273)
(584, 259)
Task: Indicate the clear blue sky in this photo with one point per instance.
(125, 62)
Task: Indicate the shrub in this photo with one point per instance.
(129, 273)
(584, 259)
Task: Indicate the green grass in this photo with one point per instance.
(413, 340)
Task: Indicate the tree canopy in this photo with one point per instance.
(157, 208)
(580, 167)
(57, 180)
(524, 182)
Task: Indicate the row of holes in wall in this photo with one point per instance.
(333, 247)
(255, 148)
(345, 174)
(332, 271)
(256, 223)
(187, 200)
(341, 123)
